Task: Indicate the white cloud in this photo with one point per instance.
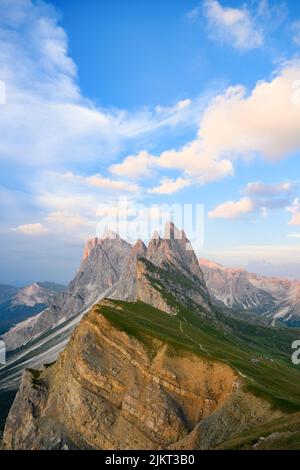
(267, 122)
(191, 160)
(194, 161)
(294, 235)
(32, 229)
(260, 198)
(169, 186)
(234, 125)
(294, 209)
(46, 119)
(135, 166)
(112, 185)
(180, 105)
(232, 209)
(233, 26)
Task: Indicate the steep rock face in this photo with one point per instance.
(174, 251)
(111, 390)
(167, 268)
(125, 288)
(103, 263)
(165, 288)
(147, 289)
(174, 254)
(273, 298)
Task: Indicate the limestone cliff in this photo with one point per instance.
(111, 389)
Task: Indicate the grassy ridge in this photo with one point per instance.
(282, 433)
(261, 354)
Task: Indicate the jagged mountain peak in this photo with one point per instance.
(109, 235)
(210, 264)
(139, 248)
(155, 236)
(174, 251)
(171, 232)
(109, 267)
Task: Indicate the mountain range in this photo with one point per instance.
(149, 349)
(276, 300)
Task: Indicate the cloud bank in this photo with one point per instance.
(264, 123)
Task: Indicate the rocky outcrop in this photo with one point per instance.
(174, 251)
(164, 273)
(272, 298)
(126, 287)
(112, 390)
(102, 265)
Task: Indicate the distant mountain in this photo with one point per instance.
(20, 304)
(274, 299)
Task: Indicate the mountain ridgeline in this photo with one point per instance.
(140, 353)
(111, 268)
(275, 300)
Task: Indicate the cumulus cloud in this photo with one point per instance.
(233, 26)
(232, 209)
(260, 198)
(169, 186)
(32, 229)
(135, 166)
(266, 122)
(191, 159)
(234, 125)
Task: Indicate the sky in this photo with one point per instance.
(156, 103)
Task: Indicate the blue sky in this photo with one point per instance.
(160, 102)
